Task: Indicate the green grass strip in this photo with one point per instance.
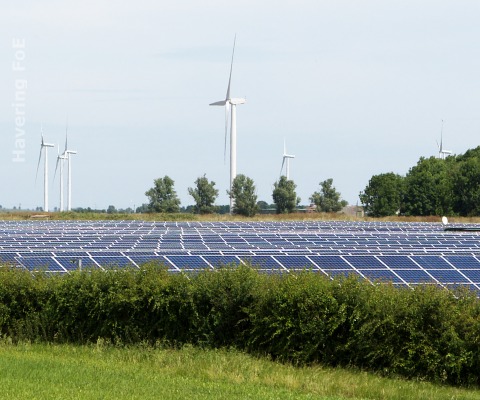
(41, 371)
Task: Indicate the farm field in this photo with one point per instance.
(40, 371)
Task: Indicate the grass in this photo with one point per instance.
(31, 215)
(42, 371)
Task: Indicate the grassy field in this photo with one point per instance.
(31, 215)
(40, 371)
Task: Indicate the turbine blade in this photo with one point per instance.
(231, 68)
(66, 139)
(56, 165)
(39, 158)
(219, 103)
(281, 169)
(441, 138)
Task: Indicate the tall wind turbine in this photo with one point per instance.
(44, 146)
(68, 156)
(286, 157)
(441, 152)
(60, 160)
(231, 103)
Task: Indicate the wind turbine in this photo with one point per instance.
(441, 152)
(231, 103)
(286, 157)
(60, 160)
(68, 156)
(45, 146)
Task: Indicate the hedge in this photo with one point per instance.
(303, 318)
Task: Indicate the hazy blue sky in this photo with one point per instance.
(356, 88)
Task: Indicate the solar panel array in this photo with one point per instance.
(402, 253)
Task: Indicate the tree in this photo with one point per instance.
(383, 195)
(428, 188)
(284, 195)
(466, 186)
(328, 199)
(262, 205)
(163, 197)
(142, 209)
(244, 196)
(111, 210)
(204, 195)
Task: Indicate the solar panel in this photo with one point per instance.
(402, 253)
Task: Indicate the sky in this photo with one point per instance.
(354, 88)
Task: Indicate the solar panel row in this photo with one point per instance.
(402, 253)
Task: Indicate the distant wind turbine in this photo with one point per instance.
(43, 146)
(286, 157)
(441, 152)
(60, 160)
(68, 156)
(231, 103)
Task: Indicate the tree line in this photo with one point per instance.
(434, 186)
(163, 197)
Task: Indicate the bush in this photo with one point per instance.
(305, 318)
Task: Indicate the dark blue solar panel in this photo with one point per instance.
(414, 275)
(447, 276)
(463, 262)
(431, 262)
(397, 261)
(330, 262)
(374, 248)
(109, 261)
(295, 262)
(380, 275)
(263, 262)
(8, 257)
(40, 263)
(336, 272)
(188, 262)
(362, 262)
(144, 259)
(71, 262)
(220, 261)
(472, 274)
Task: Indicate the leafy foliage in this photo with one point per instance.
(284, 195)
(433, 187)
(383, 195)
(163, 198)
(204, 195)
(466, 185)
(244, 195)
(428, 188)
(328, 199)
(425, 332)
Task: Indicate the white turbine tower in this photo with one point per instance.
(231, 103)
(441, 152)
(60, 160)
(286, 157)
(43, 146)
(68, 156)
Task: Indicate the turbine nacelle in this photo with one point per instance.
(236, 101)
